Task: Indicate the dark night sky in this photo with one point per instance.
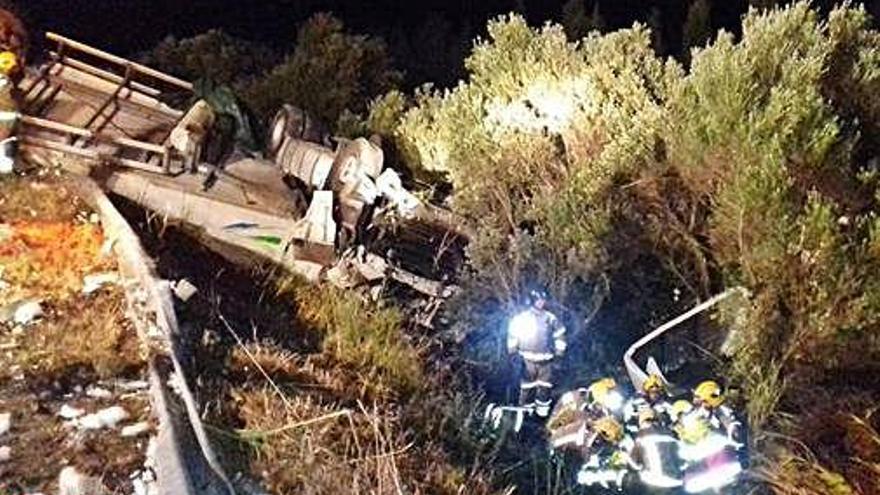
(130, 25)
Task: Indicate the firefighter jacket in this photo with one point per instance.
(721, 419)
(536, 334)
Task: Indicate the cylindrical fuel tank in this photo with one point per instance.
(308, 162)
(293, 122)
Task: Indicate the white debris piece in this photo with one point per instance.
(184, 290)
(71, 482)
(98, 392)
(5, 453)
(69, 412)
(133, 384)
(93, 283)
(105, 418)
(27, 312)
(136, 429)
(94, 218)
(5, 423)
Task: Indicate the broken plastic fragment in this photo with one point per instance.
(92, 283)
(26, 312)
(71, 482)
(98, 392)
(5, 422)
(105, 418)
(184, 290)
(136, 429)
(68, 412)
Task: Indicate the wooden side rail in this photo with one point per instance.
(67, 44)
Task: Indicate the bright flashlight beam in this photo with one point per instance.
(524, 326)
(613, 401)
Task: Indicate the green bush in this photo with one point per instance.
(534, 140)
(361, 335)
(328, 72)
(213, 55)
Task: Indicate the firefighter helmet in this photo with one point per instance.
(693, 429)
(536, 295)
(8, 63)
(600, 388)
(709, 393)
(680, 407)
(654, 383)
(609, 429)
(647, 417)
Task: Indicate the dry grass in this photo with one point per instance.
(46, 243)
(361, 336)
(307, 446)
(46, 247)
(49, 199)
(90, 335)
(829, 452)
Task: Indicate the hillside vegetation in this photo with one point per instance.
(586, 165)
(633, 186)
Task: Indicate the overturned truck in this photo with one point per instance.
(329, 210)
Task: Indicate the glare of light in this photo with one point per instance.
(711, 445)
(613, 400)
(653, 473)
(713, 479)
(524, 326)
(554, 109)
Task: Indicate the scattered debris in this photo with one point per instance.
(98, 392)
(184, 290)
(69, 412)
(93, 283)
(5, 453)
(5, 423)
(133, 384)
(144, 482)
(71, 482)
(21, 312)
(105, 418)
(136, 429)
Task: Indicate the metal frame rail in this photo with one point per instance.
(82, 141)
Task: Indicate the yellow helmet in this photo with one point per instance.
(8, 63)
(681, 407)
(608, 428)
(693, 429)
(654, 383)
(709, 393)
(600, 388)
(647, 416)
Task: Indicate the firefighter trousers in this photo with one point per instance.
(535, 385)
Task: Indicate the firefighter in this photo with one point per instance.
(570, 423)
(709, 404)
(679, 410)
(609, 459)
(656, 453)
(604, 398)
(654, 396)
(709, 458)
(537, 337)
(9, 68)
